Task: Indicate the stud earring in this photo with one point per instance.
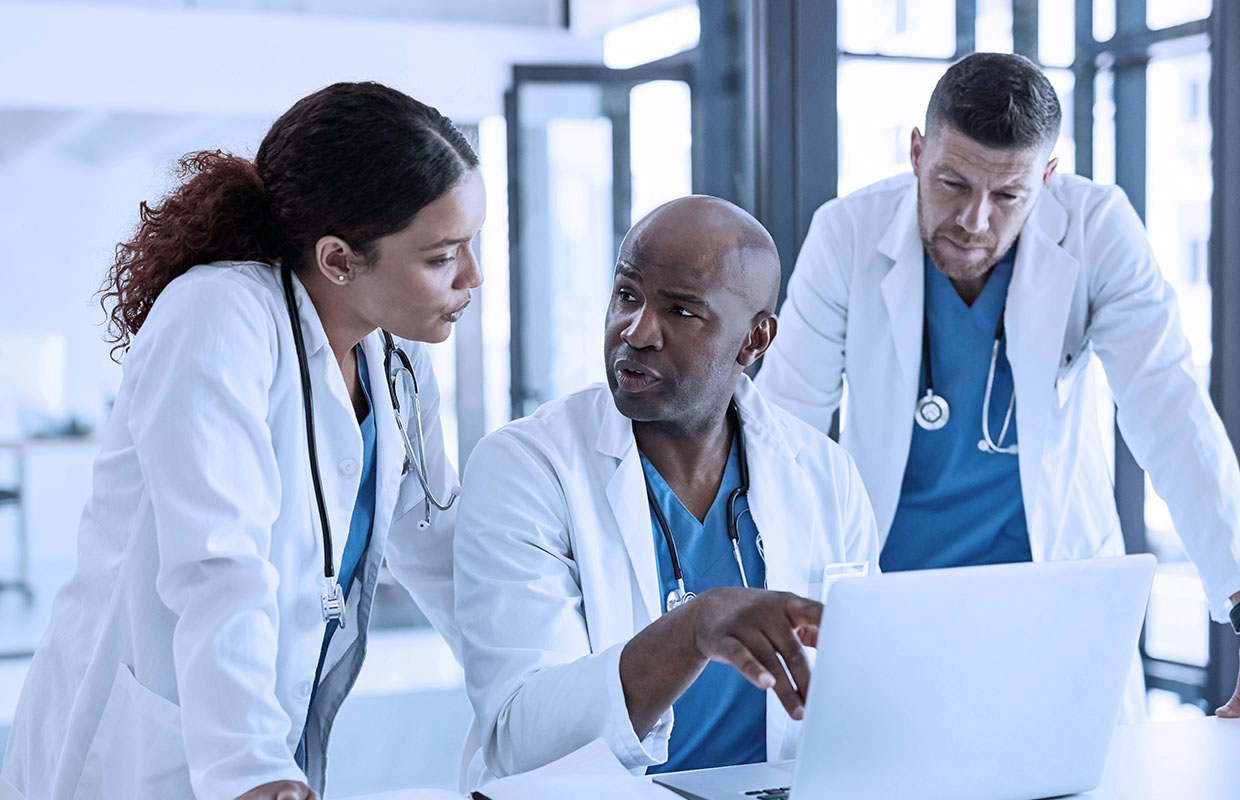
(340, 278)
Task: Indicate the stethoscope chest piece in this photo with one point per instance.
(677, 598)
(932, 411)
(333, 604)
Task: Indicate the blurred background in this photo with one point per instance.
(586, 115)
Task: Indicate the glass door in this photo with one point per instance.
(590, 151)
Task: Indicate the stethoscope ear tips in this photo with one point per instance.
(423, 524)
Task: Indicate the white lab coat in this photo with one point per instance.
(1085, 284)
(555, 566)
(179, 658)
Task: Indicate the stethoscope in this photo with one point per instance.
(932, 411)
(333, 596)
(679, 596)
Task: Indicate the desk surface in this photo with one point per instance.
(1192, 759)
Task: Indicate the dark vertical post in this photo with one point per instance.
(516, 356)
(1085, 73)
(723, 103)
(966, 27)
(1025, 28)
(1130, 134)
(1225, 283)
(797, 128)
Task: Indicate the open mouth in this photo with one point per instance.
(634, 377)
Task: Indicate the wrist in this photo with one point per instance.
(1233, 612)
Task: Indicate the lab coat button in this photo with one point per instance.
(302, 690)
(348, 467)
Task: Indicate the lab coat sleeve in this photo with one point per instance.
(205, 451)
(804, 370)
(1163, 410)
(538, 691)
(422, 559)
(861, 530)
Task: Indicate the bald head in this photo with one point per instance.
(741, 254)
(693, 305)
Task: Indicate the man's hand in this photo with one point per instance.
(280, 790)
(1232, 707)
(751, 629)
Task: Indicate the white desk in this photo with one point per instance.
(1192, 759)
(1188, 760)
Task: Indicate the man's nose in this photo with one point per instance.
(642, 331)
(974, 216)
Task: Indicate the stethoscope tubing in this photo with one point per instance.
(740, 491)
(332, 602)
(986, 444)
(303, 367)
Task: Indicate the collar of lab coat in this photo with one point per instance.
(1043, 281)
(389, 448)
(770, 455)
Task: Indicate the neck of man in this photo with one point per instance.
(691, 458)
(970, 289)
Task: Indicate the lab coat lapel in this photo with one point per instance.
(903, 287)
(335, 426)
(1039, 299)
(773, 481)
(389, 447)
(626, 495)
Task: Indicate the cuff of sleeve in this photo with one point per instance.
(635, 754)
(235, 786)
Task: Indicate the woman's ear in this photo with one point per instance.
(334, 259)
(758, 340)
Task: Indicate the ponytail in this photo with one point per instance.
(218, 212)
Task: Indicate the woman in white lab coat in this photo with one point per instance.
(191, 654)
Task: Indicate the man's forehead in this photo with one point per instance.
(954, 151)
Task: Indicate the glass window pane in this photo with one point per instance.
(1178, 190)
(1065, 148)
(1104, 127)
(874, 136)
(1165, 13)
(1057, 32)
(994, 26)
(660, 124)
(1104, 19)
(898, 27)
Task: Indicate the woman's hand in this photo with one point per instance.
(280, 790)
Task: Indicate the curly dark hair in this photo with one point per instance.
(354, 160)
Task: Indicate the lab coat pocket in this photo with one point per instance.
(1066, 379)
(138, 749)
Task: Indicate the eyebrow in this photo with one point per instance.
(627, 270)
(1014, 187)
(447, 243)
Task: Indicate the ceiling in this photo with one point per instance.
(101, 127)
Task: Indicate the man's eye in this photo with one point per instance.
(625, 295)
(681, 311)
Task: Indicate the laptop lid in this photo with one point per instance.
(992, 682)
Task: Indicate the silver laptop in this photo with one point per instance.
(987, 682)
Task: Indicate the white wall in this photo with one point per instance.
(97, 103)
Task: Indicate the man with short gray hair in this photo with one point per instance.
(965, 307)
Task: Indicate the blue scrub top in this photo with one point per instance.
(721, 717)
(960, 506)
(360, 526)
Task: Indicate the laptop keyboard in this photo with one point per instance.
(770, 794)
